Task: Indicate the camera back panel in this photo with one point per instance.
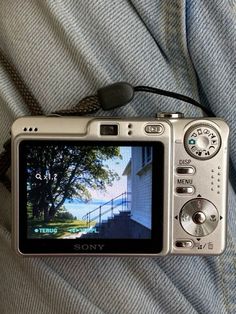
(188, 211)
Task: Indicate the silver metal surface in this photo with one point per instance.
(199, 217)
(209, 173)
(87, 129)
(205, 179)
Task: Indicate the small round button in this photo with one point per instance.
(199, 217)
(202, 141)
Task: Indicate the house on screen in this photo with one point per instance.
(139, 188)
(134, 218)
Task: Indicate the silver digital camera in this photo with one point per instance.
(119, 186)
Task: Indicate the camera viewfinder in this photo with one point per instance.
(109, 129)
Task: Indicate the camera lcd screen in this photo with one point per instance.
(79, 194)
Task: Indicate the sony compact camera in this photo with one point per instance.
(119, 186)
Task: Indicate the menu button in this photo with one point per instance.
(185, 190)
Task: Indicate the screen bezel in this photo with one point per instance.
(154, 245)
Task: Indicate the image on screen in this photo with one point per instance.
(92, 191)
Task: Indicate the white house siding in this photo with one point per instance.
(141, 189)
(129, 187)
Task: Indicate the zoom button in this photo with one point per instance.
(185, 170)
(185, 190)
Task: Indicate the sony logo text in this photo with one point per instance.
(89, 247)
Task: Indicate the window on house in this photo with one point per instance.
(146, 155)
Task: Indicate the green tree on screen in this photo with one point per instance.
(67, 172)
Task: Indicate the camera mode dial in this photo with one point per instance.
(202, 141)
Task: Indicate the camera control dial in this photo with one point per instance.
(199, 217)
(202, 141)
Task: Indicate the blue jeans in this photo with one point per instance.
(64, 51)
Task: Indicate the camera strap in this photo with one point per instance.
(87, 105)
(107, 98)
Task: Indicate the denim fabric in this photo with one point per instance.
(65, 50)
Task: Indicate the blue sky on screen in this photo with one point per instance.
(118, 165)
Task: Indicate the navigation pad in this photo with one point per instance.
(199, 217)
